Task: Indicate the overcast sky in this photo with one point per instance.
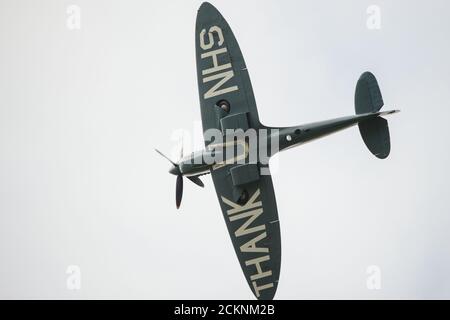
(82, 109)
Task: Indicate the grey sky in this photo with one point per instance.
(82, 110)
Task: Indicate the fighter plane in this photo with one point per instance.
(243, 185)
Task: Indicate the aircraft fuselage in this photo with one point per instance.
(202, 162)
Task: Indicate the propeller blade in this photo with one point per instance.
(196, 180)
(166, 157)
(179, 190)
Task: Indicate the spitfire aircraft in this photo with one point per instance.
(242, 181)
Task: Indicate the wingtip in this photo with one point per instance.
(205, 6)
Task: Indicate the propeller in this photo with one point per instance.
(179, 190)
(165, 157)
(175, 170)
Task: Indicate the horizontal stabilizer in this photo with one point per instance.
(375, 133)
(367, 95)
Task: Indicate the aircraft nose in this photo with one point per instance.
(175, 170)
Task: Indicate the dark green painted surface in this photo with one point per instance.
(246, 196)
(265, 263)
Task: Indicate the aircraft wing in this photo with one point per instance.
(246, 196)
(221, 70)
(253, 225)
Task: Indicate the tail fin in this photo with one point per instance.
(375, 132)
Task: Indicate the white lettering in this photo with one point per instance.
(213, 92)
